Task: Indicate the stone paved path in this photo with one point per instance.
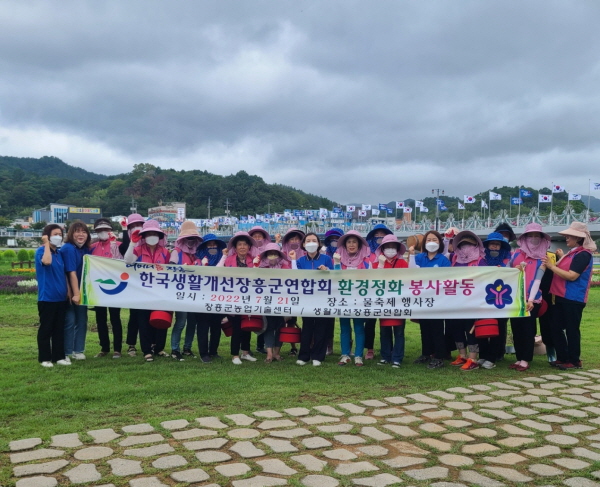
(538, 430)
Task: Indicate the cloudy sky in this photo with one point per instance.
(358, 101)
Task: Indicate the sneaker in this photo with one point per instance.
(236, 361)
(188, 353)
(131, 351)
(117, 355)
(480, 361)
(487, 364)
(206, 359)
(568, 366)
(383, 362)
(396, 365)
(294, 352)
(316, 363)
(344, 359)
(176, 354)
(370, 354)
(248, 357)
(556, 363)
(261, 350)
(470, 365)
(47, 364)
(63, 362)
(358, 361)
(79, 356)
(422, 359)
(459, 361)
(215, 355)
(68, 360)
(436, 363)
(300, 362)
(101, 354)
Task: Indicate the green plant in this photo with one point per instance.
(9, 255)
(22, 255)
(31, 253)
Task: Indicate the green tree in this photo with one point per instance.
(9, 255)
(22, 255)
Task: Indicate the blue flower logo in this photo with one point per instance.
(498, 294)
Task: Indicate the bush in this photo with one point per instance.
(31, 254)
(23, 255)
(9, 255)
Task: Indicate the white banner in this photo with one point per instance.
(455, 292)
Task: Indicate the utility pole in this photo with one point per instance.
(133, 207)
(437, 207)
(208, 207)
(227, 212)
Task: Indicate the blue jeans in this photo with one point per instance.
(392, 343)
(76, 320)
(359, 335)
(180, 318)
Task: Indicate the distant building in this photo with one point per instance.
(168, 213)
(60, 213)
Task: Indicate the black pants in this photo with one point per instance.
(523, 330)
(461, 331)
(433, 341)
(208, 326)
(260, 341)
(239, 339)
(149, 335)
(488, 347)
(313, 341)
(132, 328)
(500, 343)
(546, 326)
(51, 333)
(117, 328)
(565, 330)
(370, 333)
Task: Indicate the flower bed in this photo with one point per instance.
(26, 270)
(17, 285)
(595, 279)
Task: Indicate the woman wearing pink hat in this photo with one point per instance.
(530, 256)
(148, 245)
(570, 287)
(261, 239)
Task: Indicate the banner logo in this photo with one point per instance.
(115, 290)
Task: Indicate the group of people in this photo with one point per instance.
(556, 287)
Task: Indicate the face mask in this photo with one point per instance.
(212, 250)
(272, 257)
(152, 240)
(295, 246)
(56, 240)
(535, 241)
(103, 235)
(494, 253)
(432, 246)
(378, 240)
(334, 244)
(311, 247)
(390, 253)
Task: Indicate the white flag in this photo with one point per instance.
(366, 207)
(469, 199)
(483, 204)
(375, 212)
(399, 204)
(418, 203)
(594, 186)
(557, 188)
(350, 207)
(461, 206)
(362, 212)
(495, 196)
(323, 213)
(424, 209)
(574, 197)
(407, 209)
(544, 198)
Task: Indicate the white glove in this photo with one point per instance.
(337, 258)
(256, 259)
(323, 250)
(381, 260)
(205, 261)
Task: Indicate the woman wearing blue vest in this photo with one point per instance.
(570, 286)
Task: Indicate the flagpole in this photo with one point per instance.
(587, 218)
(489, 211)
(519, 214)
(551, 203)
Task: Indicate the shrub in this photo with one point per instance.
(9, 255)
(31, 253)
(23, 255)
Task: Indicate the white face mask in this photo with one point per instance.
(152, 240)
(56, 240)
(333, 244)
(390, 253)
(432, 246)
(103, 235)
(494, 253)
(212, 250)
(311, 247)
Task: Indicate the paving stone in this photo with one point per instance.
(191, 475)
(592, 409)
(279, 446)
(552, 377)
(267, 414)
(480, 387)
(457, 437)
(39, 468)
(319, 481)
(140, 440)
(379, 480)
(373, 450)
(25, 444)
(233, 469)
(551, 386)
(66, 441)
(515, 430)
(243, 433)
(585, 453)
(440, 414)
(147, 482)
(40, 454)
(353, 408)
(339, 454)
(246, 449)
(496, 405)
(294, 433)
(244, 419)
(460, 390)
(593, 437)
(483, 432)
(546, 406)
(149, 451)
(497, 414)
(193, 433)
(561, 401)
(478, 448)
(354, 468)
(514, 442)
(210, 456)
(176, 424)
(575, 413)
(81, 474)
(258, 481)
(544, 470)
(577, 428)
(387, 412)
(476, 478)
(124, 468)
(437, 444)
(580, 482)
(276, 423)
(428, 473)
(525, 399)
(349, 439)
(505, 393)
(375, 434)
(396, 400)
(523, 411)
(477, 398)
(540, 392)
(407, 447)
(519, 383)
(310, 462)
(447, 484)
(362, 420)
(103, 435)
(402, 461)
(374, 403)
(171, 461)
(571, 463)
(404, 419)
(319, 419)
(335, 428)
(502, 385)
(542, 451)
(331, 411)
(461, 406)
(535, 425)
(506, 459)
(211, 422)
(442, 394)
(455, 460)
(37, 482)
(562, 439)
(93, 453)
(476, 417)
(432, 428)
(297, 411)
(401, 430)
(420, 406)
(316, 442)
(582, 399)
(205, 444)
(138, 428)
(552, 418)
(276, 467)
(457, 423)
(509, 474)
(422, 398)
(533, 379)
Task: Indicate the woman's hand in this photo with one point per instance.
(381, 260)
(529, 306)
(337, 258)
(323, 268)
(547, 263)
(256, 260)
(411, 250)
(205, 261)
(292, 254)
(225, 251)
(135, 236)
(45, 240)
(559, 253)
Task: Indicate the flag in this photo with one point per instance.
(544, 198)
(348, 214)
(495, 196)
(399, 205)
(574, 197)
(418, 203)
(461, 206)
(366, 207)
(374, 212)
(337, 209)
(323, 213)
(439, 202)
(287, 213)
(310, 213)
(443, 208)
(362, 212)
(382, 206)
(594, 186)
(350, 207)
(483, 204)
(525, 193)
(390, 211)
(557, 188)
(424, 209)
(407, 209)
(334, 214)
(516, 201)
(469, 199)
(259, 218)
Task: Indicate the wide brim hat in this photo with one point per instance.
(378, 227)
(188, 229)
(211, 237)
(534, 228)
(291, 231)
(505, 227)
(466, 235)
(576, 229)
(497, 237)
(333, 232)
(260, 229)
(352, 233)
(102, 224)
(240, 235)
(271, 247)
(135, 218)
(394, 240)
(151, 226)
